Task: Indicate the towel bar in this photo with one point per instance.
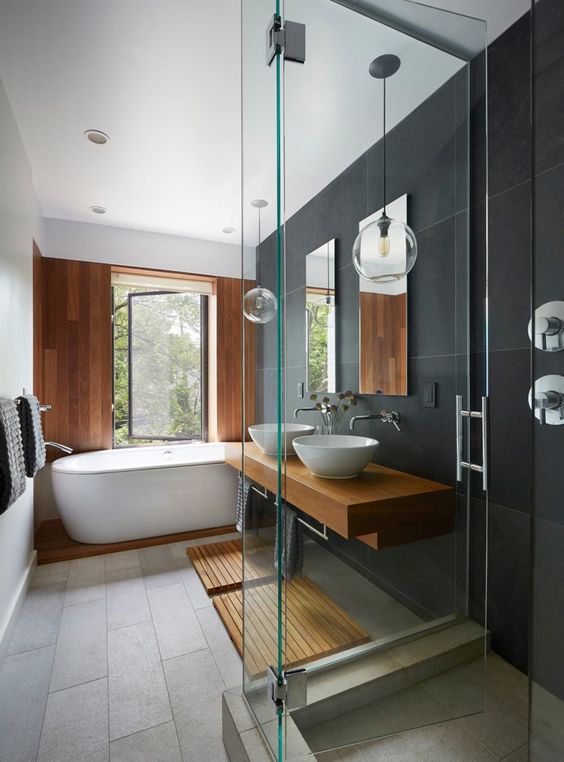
(323, 534)
(42, 408)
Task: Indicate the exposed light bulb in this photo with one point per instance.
(385, 250)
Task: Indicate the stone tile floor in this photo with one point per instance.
(123, 658)
(119, 657)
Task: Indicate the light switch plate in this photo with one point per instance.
(430, 395)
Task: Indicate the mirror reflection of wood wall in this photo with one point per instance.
(383, 343)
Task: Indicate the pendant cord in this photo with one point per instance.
(384, 145)
(258, 249)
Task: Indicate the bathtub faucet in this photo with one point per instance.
(58, 446)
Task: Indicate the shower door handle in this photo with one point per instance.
(462, 464)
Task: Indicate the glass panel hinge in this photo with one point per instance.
(291, 691)
(288, 39)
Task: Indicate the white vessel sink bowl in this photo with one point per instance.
(265, 436)
(335, 456)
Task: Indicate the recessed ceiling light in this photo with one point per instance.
(98, 209)
(97, 136)
(228, 230)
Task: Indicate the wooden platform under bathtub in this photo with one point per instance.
(53, 543)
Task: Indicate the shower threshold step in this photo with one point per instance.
(347, 688)
(356, 683)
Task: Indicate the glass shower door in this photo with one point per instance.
(393, 612)
(263, 468)
(351, 633)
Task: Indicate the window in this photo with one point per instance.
(160, 359)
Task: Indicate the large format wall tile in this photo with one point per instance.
(547, 667)
(509, 99)
(510, 429)
(549, 76)
(510, 268)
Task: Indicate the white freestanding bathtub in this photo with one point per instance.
(127, 494)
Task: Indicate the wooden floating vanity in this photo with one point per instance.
(381, 507)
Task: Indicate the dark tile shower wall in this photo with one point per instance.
(424, 162)
(547, 663)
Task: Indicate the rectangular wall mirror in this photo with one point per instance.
(320, 319)
(383, 325)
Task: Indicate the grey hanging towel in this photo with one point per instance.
(12, 465)
(32, 434)
(292, 544)
(244, 498)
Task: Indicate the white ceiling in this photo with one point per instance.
(163, 80)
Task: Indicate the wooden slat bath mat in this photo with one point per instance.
(315, 625)
(219, 564)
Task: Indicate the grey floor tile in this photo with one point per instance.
(158, 567)
(224, 652)
(195, 687)
(196, 591)
(38, 622)
(519, 755)
(138, 694)
(158, 744)
(46, 574)
(24, 682)
(437, 743)
(126, 559)
(86, 581)
(76, 724)
(126, 598)
(498, 728)
(176, 624)
(82, 652)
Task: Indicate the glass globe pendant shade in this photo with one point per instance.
(385, 250)
(259, 305)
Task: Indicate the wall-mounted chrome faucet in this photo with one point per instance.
(386, 416)
(58, 446)
(305, 410)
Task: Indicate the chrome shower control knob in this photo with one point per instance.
(547, 399)
(548, 327)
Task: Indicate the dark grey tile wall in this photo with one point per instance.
(425, 163)
(507, 524)
(547, 661)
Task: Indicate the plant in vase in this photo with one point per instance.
(333, 412)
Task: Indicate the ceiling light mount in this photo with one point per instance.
(97, 137)
(228, 230)
(97, 209)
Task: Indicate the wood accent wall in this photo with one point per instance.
(73, 354)
(74, 349)
(226, 368)
(383, 343)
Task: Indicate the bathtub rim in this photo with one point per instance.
(59, 466)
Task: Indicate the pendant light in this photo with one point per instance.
(385, 250)
(259, 304)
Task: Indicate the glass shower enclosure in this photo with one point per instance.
(355, 628)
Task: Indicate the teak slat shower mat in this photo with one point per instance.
(219, 564)
(315, 625)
